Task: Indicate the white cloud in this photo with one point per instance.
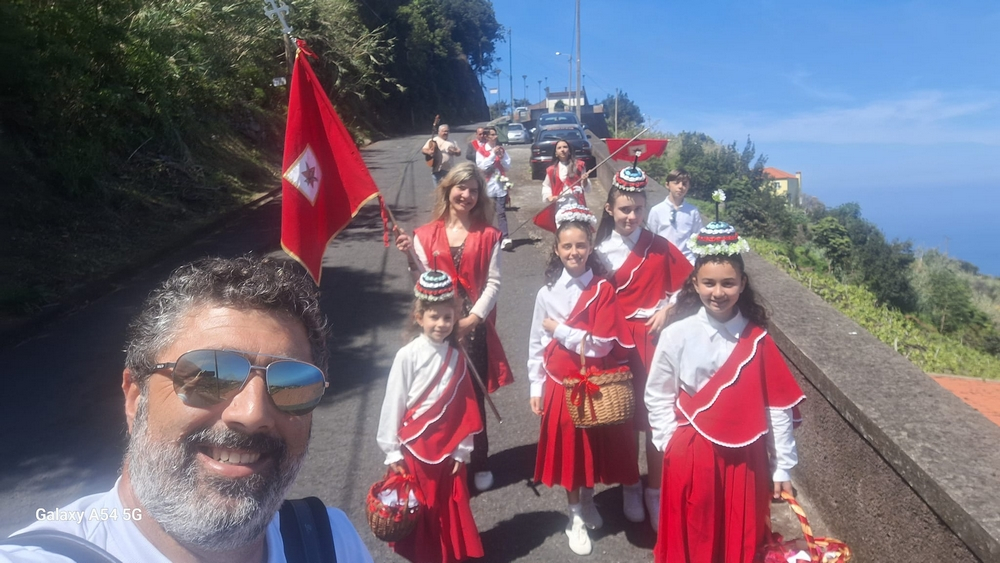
(922, 118)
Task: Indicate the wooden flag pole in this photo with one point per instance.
(461, 347)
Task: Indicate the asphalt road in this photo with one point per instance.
(62, 403)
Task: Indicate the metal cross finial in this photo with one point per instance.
(278, 10)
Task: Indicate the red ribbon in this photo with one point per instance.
(302, 47)
(585, 389)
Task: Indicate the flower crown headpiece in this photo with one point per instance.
(718, 238)
(631, 179)
(434, 286)
(575, 212)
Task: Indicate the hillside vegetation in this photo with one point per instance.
(939, 312)
(126, 122)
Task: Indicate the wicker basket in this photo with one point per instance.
(821, 550)
(599, 397)
(392, 523)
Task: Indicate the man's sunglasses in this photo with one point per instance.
(208, 377)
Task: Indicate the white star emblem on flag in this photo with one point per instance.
(305, 174)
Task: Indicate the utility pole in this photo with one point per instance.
(616, 113)
(525, 77)
(498, 71)
(510, 62)
(578, 80)
(539, 90)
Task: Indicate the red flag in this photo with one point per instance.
(649, 148)
(546, 218)
(324, 179)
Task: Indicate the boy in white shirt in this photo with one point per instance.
(673, 218)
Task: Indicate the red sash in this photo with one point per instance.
(653, 270)
(731, 409)
(558, 185)
(433, 435)
(476, 257)
(497, 165)
(598, 313)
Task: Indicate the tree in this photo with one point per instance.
(629, 115)
(832, 237)
(498, 108)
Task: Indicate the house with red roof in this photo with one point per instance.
(786, 184)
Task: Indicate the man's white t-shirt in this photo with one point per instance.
(122, 539)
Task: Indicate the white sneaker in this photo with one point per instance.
(483, 480)
(579, 541)
(653, 507)
(506, 244)
(632, 503)
(588, 510)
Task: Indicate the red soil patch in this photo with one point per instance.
(984, 396)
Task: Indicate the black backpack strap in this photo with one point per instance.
(61, 543)
(305, 531)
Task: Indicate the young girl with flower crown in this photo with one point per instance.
(429, 417)
(576, 311)
(720, 400)
(645, 270)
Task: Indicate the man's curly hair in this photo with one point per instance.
(244, 283)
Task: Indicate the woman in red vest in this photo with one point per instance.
(461, 242)
(646, 270)
(567, 174)
(721, 404)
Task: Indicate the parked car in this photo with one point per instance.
(516, 133)
(557, 118)
(543, 149)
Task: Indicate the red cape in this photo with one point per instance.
(654, 269)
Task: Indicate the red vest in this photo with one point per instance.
(476, 257)
(731, 409)
(654, 269)
(598, 313)
(434, 434)
(558, 185)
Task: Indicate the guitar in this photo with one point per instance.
(434, 159)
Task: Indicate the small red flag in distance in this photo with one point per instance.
(324, 179)
(648, 148)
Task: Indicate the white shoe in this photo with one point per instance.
(579, 541)
(632, 503)
(483, 480)
(588, 510)
(653, 507)
(506, 244)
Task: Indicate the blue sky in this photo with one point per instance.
(895, 105)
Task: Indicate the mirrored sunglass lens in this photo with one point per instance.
(205, 377)
(295, 387)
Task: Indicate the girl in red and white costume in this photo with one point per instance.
(575, 310)
(646, 270)
(461, 242)
(567, 174)
(429, 417)
(720, 400)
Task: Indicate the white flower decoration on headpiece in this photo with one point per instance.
(718, 239)
(718, 196)
(575, 212)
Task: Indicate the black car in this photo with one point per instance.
(543, 149)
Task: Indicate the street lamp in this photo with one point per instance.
(569, 59)
(525, 77)
(498, 71)
(539, 90)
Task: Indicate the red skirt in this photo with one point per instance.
(446, 531)
(645, 345)
(715, 506)
(572, 457)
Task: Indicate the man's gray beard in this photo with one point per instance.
(205, 511)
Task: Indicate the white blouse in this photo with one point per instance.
(688, 354)
(488, 298)
(563, 170)
(557, 302)
(415, 369)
